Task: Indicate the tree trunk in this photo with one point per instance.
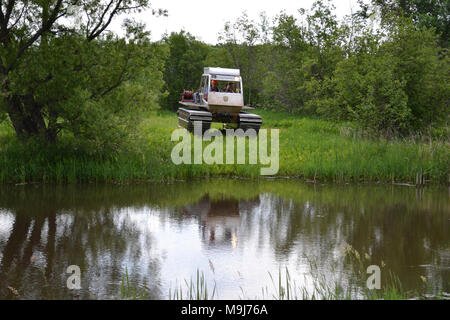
(27, 118)
(52, 128)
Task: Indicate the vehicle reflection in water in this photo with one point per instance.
(235, 232)
(219, 219)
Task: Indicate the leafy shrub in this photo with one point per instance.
(402, 85)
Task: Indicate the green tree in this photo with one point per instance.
(281, 82)
(61, 70)
(219, 56)
(424, 13)
(307, 53)
(183, 67)
(242, 39)
(393, 86)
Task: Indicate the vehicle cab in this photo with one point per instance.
(229, 92)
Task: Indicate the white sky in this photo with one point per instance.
(204, 19)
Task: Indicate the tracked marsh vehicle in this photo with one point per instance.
(220, 98)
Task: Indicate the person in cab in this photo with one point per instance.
(214, 86)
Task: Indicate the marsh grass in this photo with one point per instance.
(129, 291)
(194, 289)
(283, 287)
(316, 285)
(309, 149)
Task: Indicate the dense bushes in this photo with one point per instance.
(183, 66)
(392, 79)
(369, 93)
(402, 85)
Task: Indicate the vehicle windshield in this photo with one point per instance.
(227, 86)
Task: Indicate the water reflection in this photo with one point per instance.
(234, 231)
(219, 219)
(50, 229)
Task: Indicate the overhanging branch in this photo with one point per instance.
(46, 26)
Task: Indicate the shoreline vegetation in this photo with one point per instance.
(309, 149)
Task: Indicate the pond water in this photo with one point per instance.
(239, 235)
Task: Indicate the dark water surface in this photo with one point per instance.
(236, 233)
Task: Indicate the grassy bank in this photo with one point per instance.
(309, 148)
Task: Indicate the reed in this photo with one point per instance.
(310, 149)
(194, 289)
(129, 291)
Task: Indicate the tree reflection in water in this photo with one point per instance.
(55, 227)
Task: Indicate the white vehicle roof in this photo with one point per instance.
(222, 71)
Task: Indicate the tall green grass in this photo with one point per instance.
(129, 291)
(309, 149)
(284, 288)
(194, 289)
